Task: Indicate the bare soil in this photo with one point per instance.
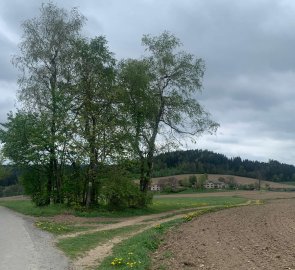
(252, 195)
(250, 237)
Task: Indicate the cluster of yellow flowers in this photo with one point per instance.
(190, 216)
(125, 262)
(117, 261)
(51, 227)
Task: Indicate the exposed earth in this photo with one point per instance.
(250, 237)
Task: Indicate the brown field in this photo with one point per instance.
(258, 237)
(239, 179)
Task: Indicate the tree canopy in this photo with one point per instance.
(84, 115)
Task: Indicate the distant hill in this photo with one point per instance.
(238, 179)
(204, 161)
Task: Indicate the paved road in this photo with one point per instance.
(23, 247)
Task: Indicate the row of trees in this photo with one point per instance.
(82, 114)
(204, 161)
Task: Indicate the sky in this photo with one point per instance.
(248, 48)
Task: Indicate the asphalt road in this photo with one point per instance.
(24, 247)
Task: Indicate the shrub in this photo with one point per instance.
(119, 192)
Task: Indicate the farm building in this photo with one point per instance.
(155, 187)
(215, 184)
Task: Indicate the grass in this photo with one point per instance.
(134, 252)
(28, 208)
(160, 204)
(60, 228)
(165, 204)
(76, 246)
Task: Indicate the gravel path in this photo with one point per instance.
(245, 238)
(23, 247)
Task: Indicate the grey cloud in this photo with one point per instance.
(247, 46)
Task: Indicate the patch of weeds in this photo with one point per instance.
(59, 228)
(192, 215)
(258, 202)
(167, 254)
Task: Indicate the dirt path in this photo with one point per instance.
(95, 256)
(244, 238)
(146, 219)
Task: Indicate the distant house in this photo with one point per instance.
(155, 187)
(215, 184)
(209, 184)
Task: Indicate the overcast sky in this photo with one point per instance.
(248, 47)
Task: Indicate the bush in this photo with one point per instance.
(119, 192)
(34, 183)
(185, 182)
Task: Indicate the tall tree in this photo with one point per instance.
(161, 88)
(46, 64)
(94, 106)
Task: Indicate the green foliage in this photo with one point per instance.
(34, 180)
(192, 180)
(185, 182)
(120, 193)
(81, 112)
(204, 161)
(201, 181)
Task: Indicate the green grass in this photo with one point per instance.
(77, 246)
(202, 191)
(160, 204)
(60, 228)
(28, 208)
(134, 252)
(165, 204)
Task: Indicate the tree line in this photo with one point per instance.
(83, 114)
(204, 161)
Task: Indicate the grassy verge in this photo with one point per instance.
(160, 204)
(77, 246)
(28, 208)
(134, 252)
(60, 228)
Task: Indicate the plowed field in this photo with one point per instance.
(251, 237)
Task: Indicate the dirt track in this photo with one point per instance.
(244, 238)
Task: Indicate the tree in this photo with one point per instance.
(46, 64)
(27, 133)
(202, 180)
(161, 90)
(96, 124)
(3, 171)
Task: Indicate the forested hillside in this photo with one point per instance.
(203, 161)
